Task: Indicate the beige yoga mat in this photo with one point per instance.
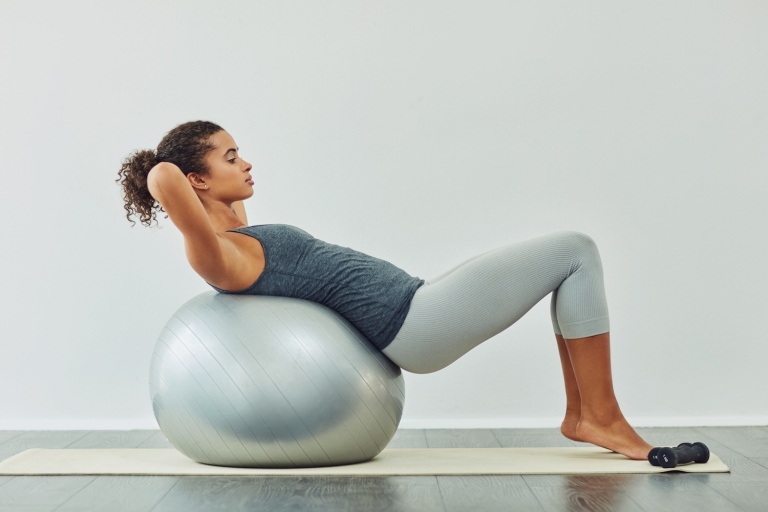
(428, 461)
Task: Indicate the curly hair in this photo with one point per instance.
(185, 146)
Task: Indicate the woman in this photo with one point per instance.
(199, 179)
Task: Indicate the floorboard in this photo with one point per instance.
(675, 491)
(532, 438)
(41, 491)
(113, 439)
(493, 492)
(743, 469)
(752, 497)
(410, 438)
(156, 440)
(28, 509)
(40, 439)
(124, 493)
(607, 493)
(121, 493)
(461, 438)
(747, 441)
(744, 449)
(300, 493)
(669, 436)
(6, 435)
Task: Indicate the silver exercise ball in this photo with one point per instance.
(272, 382)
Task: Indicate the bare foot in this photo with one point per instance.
(617, 436)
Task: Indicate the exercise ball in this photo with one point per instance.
(272, 382)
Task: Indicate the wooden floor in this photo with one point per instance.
(744, 449)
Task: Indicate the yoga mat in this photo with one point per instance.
(428, 461)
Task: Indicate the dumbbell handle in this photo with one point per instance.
(685, 453)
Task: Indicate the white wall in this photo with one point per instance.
(421, 132)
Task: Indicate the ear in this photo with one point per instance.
(197, 181)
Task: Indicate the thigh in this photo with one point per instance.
(476, 301)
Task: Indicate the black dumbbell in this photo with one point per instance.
(685, 453)
(653, 456)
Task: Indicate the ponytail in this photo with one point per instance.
(185, 146)
(133, 178)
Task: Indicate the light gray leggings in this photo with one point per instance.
(452, 314)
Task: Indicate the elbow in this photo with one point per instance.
(160, 177)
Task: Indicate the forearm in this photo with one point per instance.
(165, 179)
(170, 188)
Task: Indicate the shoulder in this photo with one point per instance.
(241, 262)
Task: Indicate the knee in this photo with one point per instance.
(579, 239)
(581, 245)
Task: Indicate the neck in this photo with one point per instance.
(222, 216)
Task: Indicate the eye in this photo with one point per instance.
(232, 160)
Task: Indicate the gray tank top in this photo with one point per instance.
(372, 294)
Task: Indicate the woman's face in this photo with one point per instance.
(228, 177)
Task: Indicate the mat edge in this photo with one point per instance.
(687, 469)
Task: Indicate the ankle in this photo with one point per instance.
(602, 416)
(573, 413)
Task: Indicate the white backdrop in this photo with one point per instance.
(421, 132)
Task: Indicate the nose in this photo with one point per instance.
(248, 166)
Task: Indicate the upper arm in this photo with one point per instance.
(170, 188)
